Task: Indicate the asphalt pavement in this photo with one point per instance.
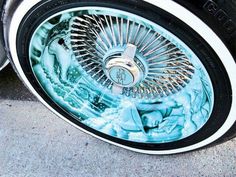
(35, 142)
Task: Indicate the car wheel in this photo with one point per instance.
(155, 77)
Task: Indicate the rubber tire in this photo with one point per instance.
(219, 24)
(228, 36)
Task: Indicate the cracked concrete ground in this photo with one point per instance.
(35, 142)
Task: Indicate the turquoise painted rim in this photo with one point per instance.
(162, 119)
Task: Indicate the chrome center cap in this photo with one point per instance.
(123, 71)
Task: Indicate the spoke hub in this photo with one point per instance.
(124, 71)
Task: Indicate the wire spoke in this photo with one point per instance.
(166, 69)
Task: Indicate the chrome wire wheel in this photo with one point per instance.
(122, 75)
(136, 77)
(148, 64)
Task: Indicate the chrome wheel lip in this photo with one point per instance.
(181, 13)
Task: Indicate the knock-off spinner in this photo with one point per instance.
(124, 71)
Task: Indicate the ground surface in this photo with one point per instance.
(34, 142)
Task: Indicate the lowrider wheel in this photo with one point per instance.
(149, 76)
